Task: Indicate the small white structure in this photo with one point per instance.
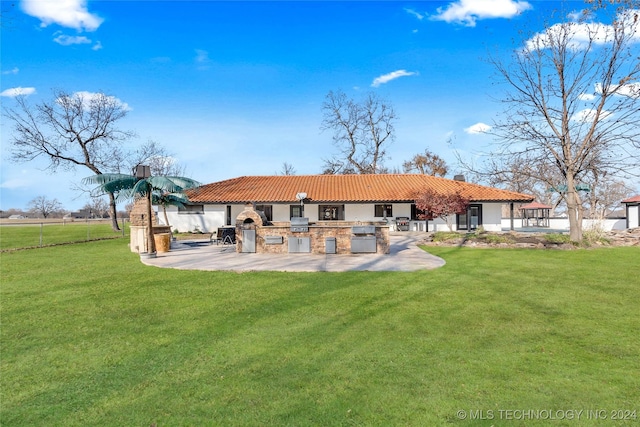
(633, 211)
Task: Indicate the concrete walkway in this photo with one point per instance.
(404, 255)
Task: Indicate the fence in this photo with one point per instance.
(15, 234)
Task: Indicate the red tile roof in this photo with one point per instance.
(634, 199)
(342, 188)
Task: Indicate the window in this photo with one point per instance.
(295, 211)
(331, 212)
(267, 209)
(191, 209)
(228, 221)
(383, 211)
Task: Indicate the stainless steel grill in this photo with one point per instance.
(299, 225)
(402, 223)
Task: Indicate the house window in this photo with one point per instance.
(331, 212)
(267, 209)
(419, 214)
(228, 221)
(191, 209)
(295, 211)
(383, 211)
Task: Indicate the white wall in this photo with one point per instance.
(562, 224)
(214, 216)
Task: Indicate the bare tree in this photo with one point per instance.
(45, 207)
(573, 103)
(287, 169)
(361, 132)
(72, 130)
(98, 206)
(426, 164)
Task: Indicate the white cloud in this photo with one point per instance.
(97, 46)
(581, 34)
(67, 13)
(586, 97)
(478, 128)
(65, 40)
(15, 183)
(18, 91)
(386, 78)
(412, 12)
(202, 56)
(467, 12)
(14, 70)
(88, 97)
(589, 115)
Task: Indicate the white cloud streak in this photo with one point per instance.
(478, 128)
(88, 97)
(18, 91)
(468, 12)
(65, 40)
(67, 13)
(419, 16)
(386, 78)
(14, 71)
(581, 34)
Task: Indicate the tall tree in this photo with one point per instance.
(128, 187)
(41, 205)
(426, 164)
(361, 132)
(573, 101)
(72, 130)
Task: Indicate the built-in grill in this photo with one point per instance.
(402, 223)
(299, 225)
(363, 239)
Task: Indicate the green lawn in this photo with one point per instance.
(90, 336)
(46, 234)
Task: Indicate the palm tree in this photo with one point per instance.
(129, 186)
(165, 199)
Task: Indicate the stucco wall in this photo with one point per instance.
(214, 216)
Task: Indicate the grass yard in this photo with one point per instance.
(90, 336)
(48, 233)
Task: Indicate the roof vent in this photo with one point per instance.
(459, 178)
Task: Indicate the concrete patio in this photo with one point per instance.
(404, 255)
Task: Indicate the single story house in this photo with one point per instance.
(633, 211)
(387, 198)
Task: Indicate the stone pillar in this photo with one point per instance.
(139, 222)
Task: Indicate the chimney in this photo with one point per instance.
(459, 178)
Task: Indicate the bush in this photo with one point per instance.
(445, 236)
(557, 238)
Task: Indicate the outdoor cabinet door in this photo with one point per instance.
(248, 241)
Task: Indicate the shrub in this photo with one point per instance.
(445, 236)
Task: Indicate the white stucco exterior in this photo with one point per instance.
(214, 216)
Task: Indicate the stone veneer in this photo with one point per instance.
(318, 232)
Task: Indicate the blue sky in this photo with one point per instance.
(236, 88)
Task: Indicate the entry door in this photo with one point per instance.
(470, 220)
(475, 216)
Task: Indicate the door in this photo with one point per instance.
(248, 241)
(475, 216)
(471, 219)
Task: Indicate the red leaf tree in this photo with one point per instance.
(433, 204)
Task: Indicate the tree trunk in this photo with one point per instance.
(573, 210)
(113, 212)
(151, 243)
